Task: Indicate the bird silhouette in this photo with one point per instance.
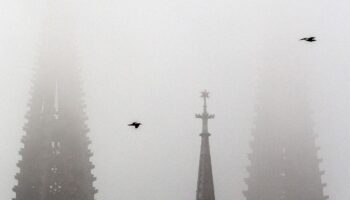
(309, 39)
(135, 124)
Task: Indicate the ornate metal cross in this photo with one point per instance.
(205, 115)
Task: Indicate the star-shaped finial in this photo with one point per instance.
(205, 94)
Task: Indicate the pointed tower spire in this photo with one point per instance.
(284, 163)
(205, 184)
(55, 162)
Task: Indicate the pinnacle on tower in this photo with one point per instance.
(205, 184)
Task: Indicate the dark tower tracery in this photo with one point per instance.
(55, 162)
(205, 184)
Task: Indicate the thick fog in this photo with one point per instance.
(149, 60)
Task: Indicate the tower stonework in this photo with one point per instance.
(205, 184)
(55, 157)
(284, 163)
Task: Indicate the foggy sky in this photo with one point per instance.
(148, 61)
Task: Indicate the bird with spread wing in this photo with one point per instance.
(309, 39)
(135, 124)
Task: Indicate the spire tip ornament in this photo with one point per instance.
(205, 94)
(205, 115)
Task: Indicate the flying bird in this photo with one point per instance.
(309, 39)
(135, 124)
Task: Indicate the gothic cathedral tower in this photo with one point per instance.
(55, 162)
(284, 163)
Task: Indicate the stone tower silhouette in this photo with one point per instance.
(205, 184)
(55, 162)
(284, 164)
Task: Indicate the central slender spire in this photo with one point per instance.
(205, 184)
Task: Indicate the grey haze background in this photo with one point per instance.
(148, 61)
